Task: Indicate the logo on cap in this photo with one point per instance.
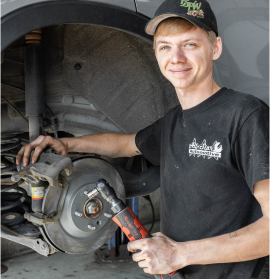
(194, 9)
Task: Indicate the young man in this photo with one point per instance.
(213, 156)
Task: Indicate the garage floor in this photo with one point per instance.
(59, 265)
(35, 266)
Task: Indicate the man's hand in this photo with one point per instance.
(159, 255)
(39, 145)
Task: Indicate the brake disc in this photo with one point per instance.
(77, 231)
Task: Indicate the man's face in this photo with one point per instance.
(186, 59)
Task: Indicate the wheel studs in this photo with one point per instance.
(108, 215)
(91, 227)
(79, 214)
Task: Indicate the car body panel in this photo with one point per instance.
(8, 6)
(244, 29)
(148, 7)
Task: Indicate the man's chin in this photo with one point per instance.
(182, 85)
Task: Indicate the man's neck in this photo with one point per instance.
(191, 97)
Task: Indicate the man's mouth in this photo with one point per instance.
(180, 71)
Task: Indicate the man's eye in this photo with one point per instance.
(164, 47)
(190, 45)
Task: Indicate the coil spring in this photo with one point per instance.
(33, 38)
(11, 200)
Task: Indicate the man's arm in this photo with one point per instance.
(107, 144)
(161, 255)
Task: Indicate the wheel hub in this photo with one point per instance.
(84, 225)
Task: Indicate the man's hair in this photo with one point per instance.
(175, 25)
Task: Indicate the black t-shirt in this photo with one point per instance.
(210, 157)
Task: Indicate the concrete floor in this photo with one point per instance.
(36, 266)
(33, 266)
(58, 266)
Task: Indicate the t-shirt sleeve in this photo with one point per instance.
(251, 147)
(148, 142)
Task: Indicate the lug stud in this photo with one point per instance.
(91, 227)
(108, 215)
(79, 214)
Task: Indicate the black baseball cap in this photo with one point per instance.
(197, 12)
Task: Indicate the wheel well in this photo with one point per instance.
(26, 19)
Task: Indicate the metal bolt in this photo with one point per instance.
(79, 214)
(107, 215)
(15, 177)
(91, 227)
(43, 246)
(85, 192)
(92, 207)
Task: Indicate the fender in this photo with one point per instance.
(46, 13)
(9, 6)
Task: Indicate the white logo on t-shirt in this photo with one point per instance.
(203, 150)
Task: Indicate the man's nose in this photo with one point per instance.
(177, 56)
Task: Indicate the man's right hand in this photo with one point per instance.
(39, 145)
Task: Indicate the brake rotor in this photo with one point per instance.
(83, 227)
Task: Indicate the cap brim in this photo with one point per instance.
(151, 26)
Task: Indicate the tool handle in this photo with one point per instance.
(134, 230)
(130, 225)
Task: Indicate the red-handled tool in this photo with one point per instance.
(126, 219)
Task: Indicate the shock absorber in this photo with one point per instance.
(34, 100)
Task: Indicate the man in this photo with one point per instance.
(213, 156)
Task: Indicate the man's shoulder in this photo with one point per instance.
(242, 103)
(175, 110)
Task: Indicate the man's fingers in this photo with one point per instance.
(25, 151)
(19, 156)
(149, 270)
(38, 151)
(135, 245)
(139, 256)
(39, 145)
(159, 234)
(143, 264)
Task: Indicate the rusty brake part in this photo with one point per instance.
(47, 168)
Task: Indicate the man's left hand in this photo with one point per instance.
(159, 254)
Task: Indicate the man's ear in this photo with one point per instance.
(217, 49)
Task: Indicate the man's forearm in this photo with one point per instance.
(248, 243)
(106, 144)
